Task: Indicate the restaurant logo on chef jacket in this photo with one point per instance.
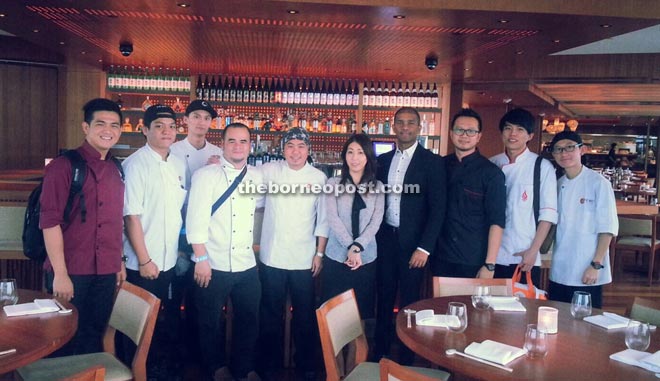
(524, 196)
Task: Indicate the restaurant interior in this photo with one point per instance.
(588, 66)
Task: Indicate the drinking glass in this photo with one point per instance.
(460, 311)
(536, 342)
(581, 304)
(638, 335)
(480, 298)
(8, 293)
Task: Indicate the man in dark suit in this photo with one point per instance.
(411, 224)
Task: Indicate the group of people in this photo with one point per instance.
(465, 215)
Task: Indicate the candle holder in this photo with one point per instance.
(547, 320)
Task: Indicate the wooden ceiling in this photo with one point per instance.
(495, 49)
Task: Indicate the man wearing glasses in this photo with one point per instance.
(587, 223)
(522, 237)
(476, 200)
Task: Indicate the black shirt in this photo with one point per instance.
(476, 199)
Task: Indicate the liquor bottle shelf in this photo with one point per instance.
(315, 106)
(128, 91)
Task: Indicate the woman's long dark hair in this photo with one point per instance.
(369, 175)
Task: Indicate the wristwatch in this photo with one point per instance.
(489, 266)
(319, 254)
(597, 265)
(124, 259)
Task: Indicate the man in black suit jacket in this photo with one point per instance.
(410, 227)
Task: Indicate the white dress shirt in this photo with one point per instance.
(292, 221)
(586, 208)
(520, 227)
(228, 233)
(395, 176)
(155, 191)
(194, 158)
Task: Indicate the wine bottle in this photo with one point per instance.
(285, 91)
(323, 94)
(434, 96)
(379, 96)
(232, 90)
(336, 95)
(413, 96)
(386, 96)
(214, 89)
(111, 77)
(239, 89)
(342, 94)
(304, 91)
(297, 92)
(246, 90)
(186, 81)
(406, 96)
(199, 89)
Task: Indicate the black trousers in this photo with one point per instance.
(336, 278)
(244, 289)
(393, 274)
(563, 293)
(455, 270)
(274, 285)
(93, 298)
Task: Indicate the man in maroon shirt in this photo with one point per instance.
(84, 261)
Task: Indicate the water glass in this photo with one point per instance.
(581, 304)
(480, 299)
(460, 311)
(8, 292)
(536, 342)
(638, 335)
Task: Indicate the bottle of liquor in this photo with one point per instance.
(331, 93)
(167, 82)
(232, 90)
(315, 122)
(304, 91)
(246, 90)
(336, 95)
(252, 158)
(153, 80)
(160, 83)
(393, 95)
(206, 89)
(291, 91)
(386, 96)
(111, 77)
(366, 95)
(239, 89)
(278, 90)
(413, 96)
(252, 88)
(399, 96)
(386, 126)
(372, 94)
(434, 96)
(174, 80)
(342, 94)
(431, 129)
(425, 126)
(349, 93)
(139, 79)
(285, 91)
(297, 92)
(323, 94)
(126, 78)
(316, 93)
(146, 104)
(186, 81)
(427, 96)
(257, 122)
(406, 96)
(379, 96)
(213, 91)
(421, 96)
(260, 91)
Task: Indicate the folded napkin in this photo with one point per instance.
(608, 320)
(493, 351)
(506, 303)
(641, 359)
(429, 319)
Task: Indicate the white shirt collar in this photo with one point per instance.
(156, 154)
(227, 165)
(408, 152)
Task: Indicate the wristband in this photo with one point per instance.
(319, 254)
(203, 258)
(124, 259)
(145, 263)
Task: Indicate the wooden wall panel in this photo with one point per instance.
(81, 83)
(28, 115)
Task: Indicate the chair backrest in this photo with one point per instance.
(340, 324)
(638, 226)
(391, 371)
(444, 286)
(95, 373)
(133, 314)
(11, 220)
(645, 310)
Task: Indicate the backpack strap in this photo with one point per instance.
(119, 167)
(78, 173)
(537, 189)
(229, 190)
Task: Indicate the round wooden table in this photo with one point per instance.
(34, 336)
(579, 351)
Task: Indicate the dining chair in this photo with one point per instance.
(340, 327)
(637, 233)
(95, 373)
(445, 286)
(646, 310)
(134, 314)
(392, 371)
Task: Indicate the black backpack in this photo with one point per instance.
(33, 237)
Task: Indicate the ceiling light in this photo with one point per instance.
(2, 15)
(556, 41)
(182, 5)
(605, 25)
(502, 21)
(519, 52)
(292, 11)
(61, 42)
(100, 60)
(83, 52)
(491, 61)
(467, 69)
(35, 30)
(399, 17)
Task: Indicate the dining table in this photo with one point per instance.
(578, 351)
(34, 336)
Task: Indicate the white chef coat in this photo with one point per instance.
(586, 208)
(520, 227)
(228, 233)
(194, 158)
(292, 221)
(155, 191)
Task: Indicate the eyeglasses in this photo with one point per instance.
(571, 148)
(461, 132)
